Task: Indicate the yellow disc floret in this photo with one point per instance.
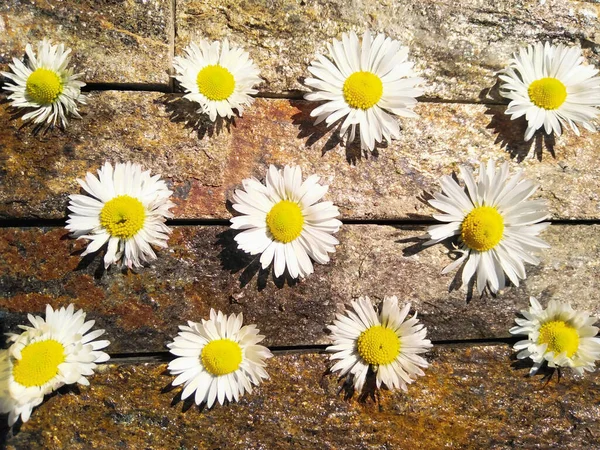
(378, 345)
(43, 86)
(482, 229)
(362, 90)
(39, 363)
(560, 337)
(221, 356)
(547, 93)
(285, 221)
(215, 82)
(123, 216)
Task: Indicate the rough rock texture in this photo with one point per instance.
(470, 397)
(204, 166)
(202, 269)
(112, 41)
(457, 46)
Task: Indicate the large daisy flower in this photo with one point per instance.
(55, 351)
(129, 212)
(387, 342)
(559, 335)
(549, 85)
(496, 224)
(218, 359)
(285, 221)
(220, 79)
(45, 85)
(363, 83)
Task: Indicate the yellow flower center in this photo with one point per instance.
(482, 229)
(39, 363)
(221, 356)
(215, 82)
(43, 86)
(547, 93)
(362, 90)
(378, 345)
(123, 216)
(560, 337)
(285, 221)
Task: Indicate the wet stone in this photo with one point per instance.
(202, 269)
(478, 395)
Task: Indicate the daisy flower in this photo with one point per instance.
(559, 335)
(549, 86)
(385, 342)
(285, 221)
(55, 351)
(129, 212)
(219, 78)
(363, 83)
(218, 359)
(45, 85)
(497, 226)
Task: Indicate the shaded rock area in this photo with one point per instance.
(457, 46)
(470, 397)
(122, 41)
(203, 269)
(203, 164)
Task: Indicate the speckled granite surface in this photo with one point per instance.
(203, 166)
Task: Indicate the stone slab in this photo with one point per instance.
(124, 41)
(457, 46)
(203, 269)
(204, 165)
(471, 397)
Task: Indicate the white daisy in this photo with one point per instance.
(285, 221)
(496, 225)
(549, 85)
(559, 335)
(45, 85)
(129, 212)
(53, 352)
(363, 83)
(219, 80)
(218, 359)
(386, 342)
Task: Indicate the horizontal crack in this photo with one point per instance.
(46, 223)
(163, 357)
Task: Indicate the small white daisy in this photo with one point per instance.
(385, 342)
(220, 81)
(559, 335)
(285, 221)
(45, 85)
(129, 212)
(218, 359)
(53, 352)
(496, 225)
(364, 83)
(549, 85)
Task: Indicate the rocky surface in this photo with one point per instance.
(457, 46)
(470, 397)
(204, 165)
(124, 41)
(202, 269)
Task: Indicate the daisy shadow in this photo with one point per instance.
(182, 110)
(313, 134)
(248, 266)
(40, 129)
(510, 136)
(544, 373)
(186, 404)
